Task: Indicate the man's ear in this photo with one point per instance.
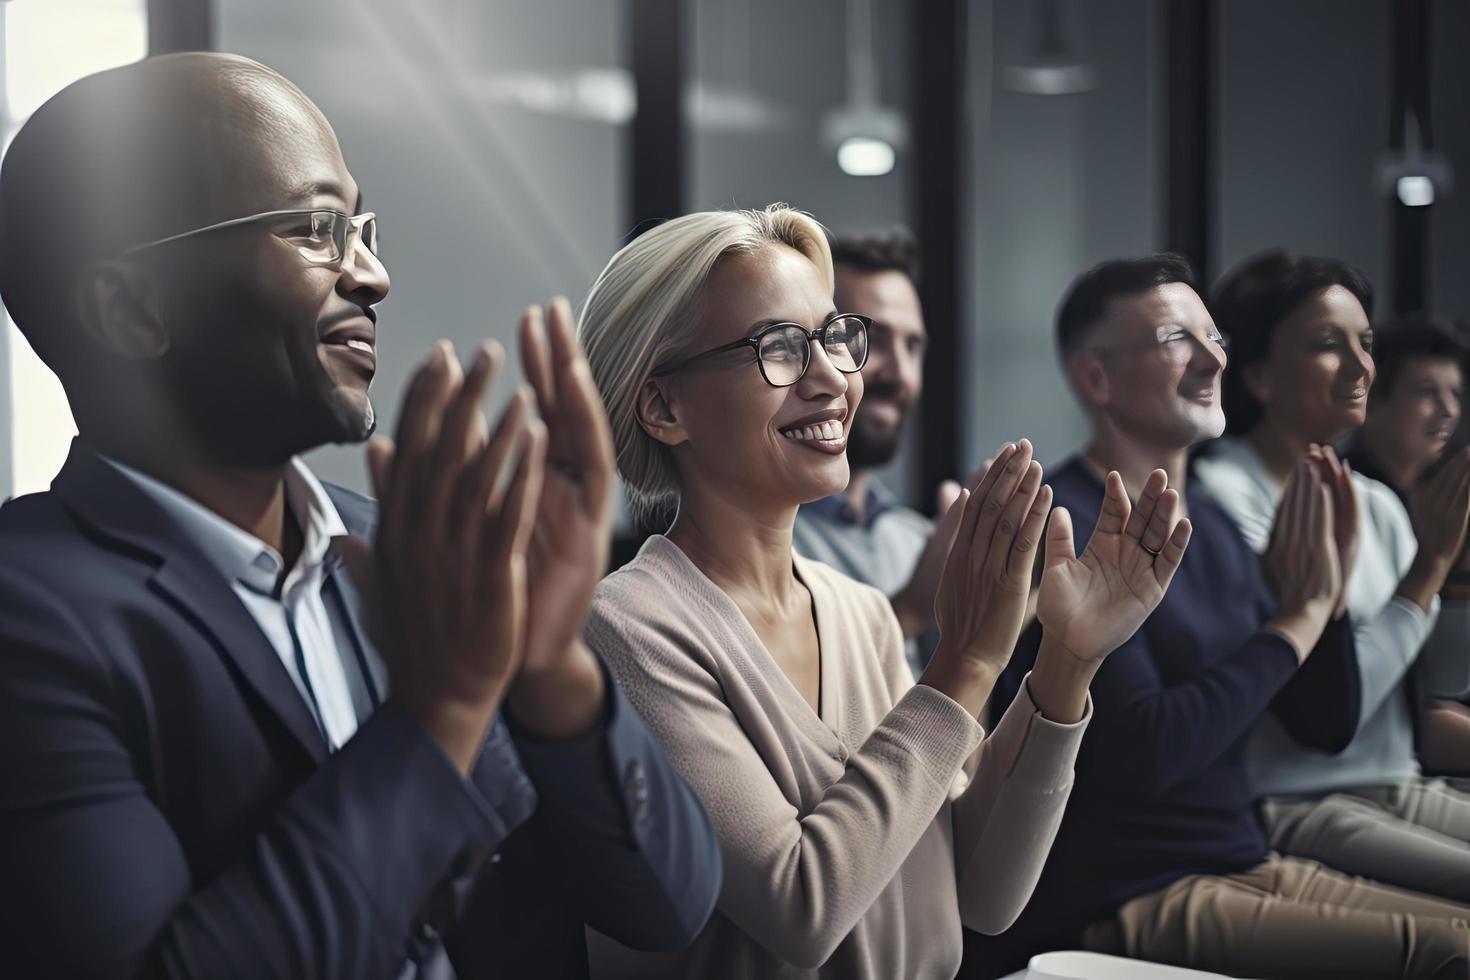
(1089, 378)
(657, 415)
(118, 306)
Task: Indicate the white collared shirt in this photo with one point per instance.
(253, 568)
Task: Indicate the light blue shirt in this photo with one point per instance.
(1389, 631)
(315, 644)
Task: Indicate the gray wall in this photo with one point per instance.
(783, 66)
(1061, 182)
(485, 207)
(1303, 90)
(1450, 219)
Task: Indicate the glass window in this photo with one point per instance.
(48, 45)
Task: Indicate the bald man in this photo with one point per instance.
(210, 765)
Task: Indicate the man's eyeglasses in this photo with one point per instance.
(784, 351)
(323, 237)
(1177, 346)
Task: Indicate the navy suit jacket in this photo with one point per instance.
(168, 808)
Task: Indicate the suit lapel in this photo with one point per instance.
(104, 498)
(360, 515)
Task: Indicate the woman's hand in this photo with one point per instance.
(980, 605)
(1337, 476)
(1089, 605)
(1302, 565)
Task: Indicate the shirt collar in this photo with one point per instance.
(836, 508)
(239, 555)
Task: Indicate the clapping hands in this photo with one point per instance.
(1090, 604)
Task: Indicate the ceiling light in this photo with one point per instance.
(1415, 175)
(865, 156)
(865, 135)
(1052, 65)
(1415, 191)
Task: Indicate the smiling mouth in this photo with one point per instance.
(359, 352)
(826, 436)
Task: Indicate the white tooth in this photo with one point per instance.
(831, 430)
(787, 434)
(809, 432)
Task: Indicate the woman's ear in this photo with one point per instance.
(657, 416)
(1089, 379)
(118, 306)
(1254, 378)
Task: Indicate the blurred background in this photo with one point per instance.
(510, 146)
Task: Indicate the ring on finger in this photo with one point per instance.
(1150, 550)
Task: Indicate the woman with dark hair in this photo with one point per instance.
(1300, 370)
(1413, 412)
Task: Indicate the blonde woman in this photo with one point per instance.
(858, 824)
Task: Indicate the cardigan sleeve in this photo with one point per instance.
(1007, 818)
(796, 883)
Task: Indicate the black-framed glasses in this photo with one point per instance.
(784, 350)
(321, 235)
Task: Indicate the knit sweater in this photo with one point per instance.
(1161, 789)
(853, 844)
(1391, 634)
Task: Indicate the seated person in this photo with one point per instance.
(1413, 410)
(855, 838)
(863, 531)
(1161, 855)
(210, 763)
(1301, 368)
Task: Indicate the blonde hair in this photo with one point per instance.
(644, 311)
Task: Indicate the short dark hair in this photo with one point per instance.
(1086, 299)
(1250, 301)
(1413, 337)
(878, 251)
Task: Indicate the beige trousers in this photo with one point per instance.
(1291, 919)
(1415, 835)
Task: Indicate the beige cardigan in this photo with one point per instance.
(840, 833)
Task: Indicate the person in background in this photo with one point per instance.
(212, 761)
(1413, 411)
(1161, 855)
(863, 531)
(862, 817)
(1300, 372)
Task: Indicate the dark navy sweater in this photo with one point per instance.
(1161, 790)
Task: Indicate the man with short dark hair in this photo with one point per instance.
(1161, 855)
(864, 532)
(211, 762)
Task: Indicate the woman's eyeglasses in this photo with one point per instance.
(784, 352)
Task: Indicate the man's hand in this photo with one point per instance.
(1089, 605)
(445, 578)
(559, 691)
